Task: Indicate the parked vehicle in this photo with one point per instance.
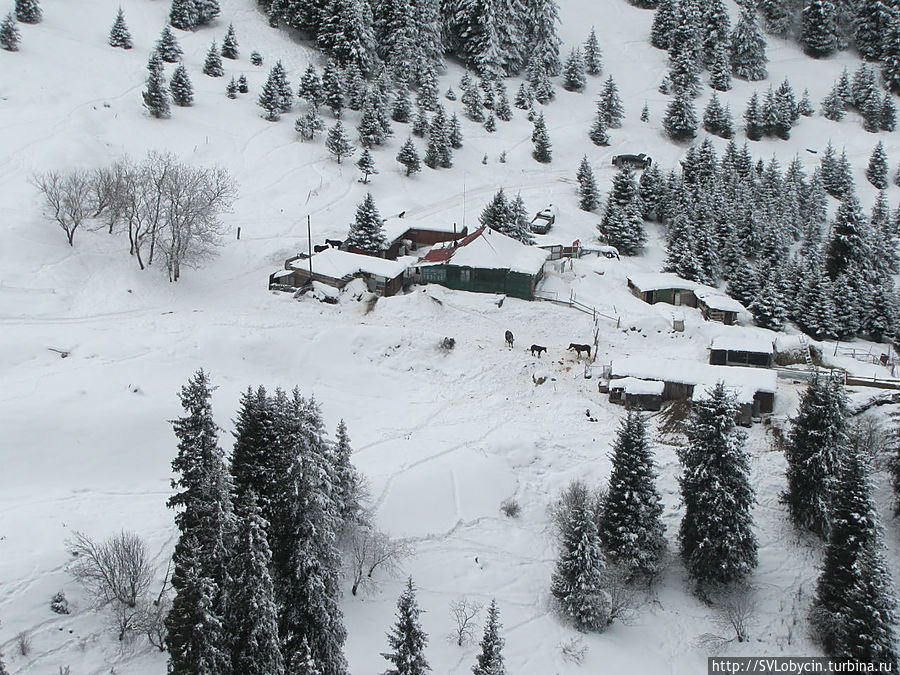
(544, 220)
(640, 161)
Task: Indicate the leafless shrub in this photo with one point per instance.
(623, 595)
(464, 612)
(510, 507)
(576, 495)
(67, 198)
(116, 572)
(370, 550)
(23, 642)
(152, 621)
(868, 437)
(735, 613)
(65, 671)
(573, 651)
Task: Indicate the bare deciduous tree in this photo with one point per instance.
(735, 612)
(68, 198)
(464, 612)
(116, 572)
(370, 549)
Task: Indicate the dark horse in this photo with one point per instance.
(334, 243)
(319, 249)
(537, 349)
(581, 348)
(509, 339)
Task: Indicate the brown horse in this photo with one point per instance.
(581, 348)
(509, 339)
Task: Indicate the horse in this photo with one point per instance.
(318, 249)
(537, 349)
(509, 339)
(334, 243)
(580, 348)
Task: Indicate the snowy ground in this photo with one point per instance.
(442, 437)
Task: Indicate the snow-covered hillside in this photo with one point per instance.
(442, 437)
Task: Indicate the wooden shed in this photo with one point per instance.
(671, 289)
(404, 238)
(485, 261)
(634, 393)
(742, 349)
(718, 307)
(337, 268)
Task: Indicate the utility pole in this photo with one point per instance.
(309, 239)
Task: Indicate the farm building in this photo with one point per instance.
(485, 262)
(336, 268)
(742, 349)
(754, 388)
(404, 237)
(673, 290)
(635, 393)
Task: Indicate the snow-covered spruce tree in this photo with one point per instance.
(748, 47)
(665, 20)
(498, 214)
(680, 122)
(645, 113)
(454, 132)
(598, 133)
(28, 11)
(420, 124)
(877, 170)
(252, 616)
(118, 34)
(574, 79)
(9, 34)
(338, 143)
(854, 612)
(156, 97)
(3, 670)
(409, 157)
(407, 640)
(524, 97)
(205, 521)
(490, 660)
(593, 55)
(471, 100)
(717, 120)
(684, 72)
(367, 230)
(777, 17)
(346, 34)
(715, 30)
(428, 94)
(231, 89)
(816, 446)
(890, 55)
(401, 110)
(577, 581)
(588, 192)
(754, 118)
(611, 104)
(720, 69)
(650, 191)
(167, 46)
(631, 525)
(542, 34)
(849, 243)
(212, 66)
(768, 307)
(818, 33)
(438, 153)
(309, 124)
(310, 89)
(183, 14)
(744, 282)
(681, 250)
(230, 44)
(501, 107)
(490, 124)
(871, 24)
(718, 545)
(332, 88)
(887, 120)
(366, 165)
(207, 10)
(347, 487)
(542, 149)
(180, 86)
(804, 107)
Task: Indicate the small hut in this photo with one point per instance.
(634, 393)
(337, 268)
(742, 349)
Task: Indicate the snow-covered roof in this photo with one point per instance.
(632, 385)
(714, 299)
(337, 264)
(488, 249)
(690, 372)
(741, 341)
(656, 281)
(396, 227)
(741, 394)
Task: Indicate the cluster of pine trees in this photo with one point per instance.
(256, 565)
(737, 220)
(861, 94)
(853, 613)
(508, 216)
(25, 11)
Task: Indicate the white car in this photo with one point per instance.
(544, 220)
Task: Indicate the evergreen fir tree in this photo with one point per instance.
(366, 165)
(207, 10)
(805, 108)
(720, 68)
(748, 47)
(680, 121)
(407, 639)
(715, 30)
(611, 104)
(542, 35)
(490, 124)
(454, 135)
(681, 254)
(717, 540)
(877, 171)
(367, 230)
(888, 118)
(588, 192)
(472, 101)
(854, 610)
(332, 88)
(631, 526)
(524, 97)
(890, 54)
(213, 64)
(309, 124)
(593, 56)
(574, 71)
(777, 17)
(338, 143)
(848, 242)
(156, 97)
(230, 44)
(542, 150)
(490, 660)
(354, 87)
(28, 11)
(118, 34)
(768, 307)
(183, 14)
(167, 46)
(402, 108)
(438, 153)
(744, 283)
(645, 113)
(9, 34)
(450, 95)
(180, 86)
(252, 614)
(420, 124)
(256, 58)
(346, 34)
(598, 133)
(650, 187)
(717, 120)
(577, 581)
(311, 87)
(231, 89)
(501, 107)
(665, 21)
(871, 24)
(754, 121)
(871, 112)
(818, 33)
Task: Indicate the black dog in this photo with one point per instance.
(537, 349)
(334, 243)
(319, 249)
(509, 339)
(581, 348)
